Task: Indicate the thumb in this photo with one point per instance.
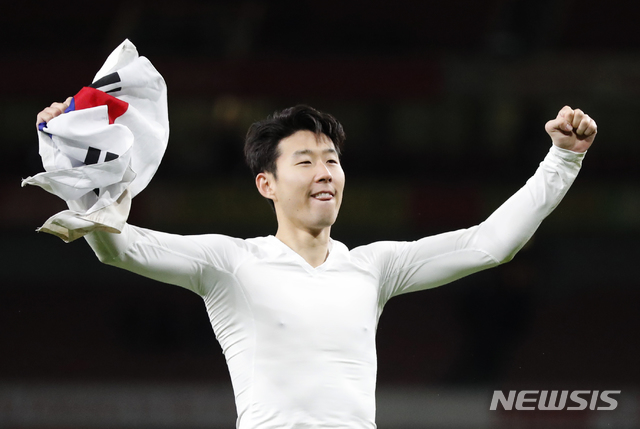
(559, 124)
(562, 122)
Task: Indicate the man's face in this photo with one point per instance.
(308, 189)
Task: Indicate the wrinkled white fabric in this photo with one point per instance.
(128, 146)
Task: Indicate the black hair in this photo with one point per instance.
(261, 144)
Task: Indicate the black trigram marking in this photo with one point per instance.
(93, 156)
(109, 79)
(110, 156)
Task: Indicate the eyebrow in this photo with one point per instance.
(310, 152)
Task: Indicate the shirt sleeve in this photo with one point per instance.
(195, 262)
(436, 260)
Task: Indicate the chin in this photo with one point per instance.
(324, 222)
(328, 222)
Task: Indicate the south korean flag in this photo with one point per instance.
(108, 143)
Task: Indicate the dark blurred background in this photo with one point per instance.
(444, 104)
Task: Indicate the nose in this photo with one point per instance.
(323, 174)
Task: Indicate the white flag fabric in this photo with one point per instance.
(106, 147)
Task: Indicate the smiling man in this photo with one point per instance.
(296, 313)
(306, 188)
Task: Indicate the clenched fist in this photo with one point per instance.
(572, 129)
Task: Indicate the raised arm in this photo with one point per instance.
(194, 262)
(440, 259)
(181, 260)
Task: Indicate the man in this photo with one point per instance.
(296, 313)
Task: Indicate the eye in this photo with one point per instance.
(304, 162)
(333, 161)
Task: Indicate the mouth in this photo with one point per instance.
(323, 196)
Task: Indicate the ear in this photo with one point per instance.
(265, 184)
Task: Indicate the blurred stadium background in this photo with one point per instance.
(444, 104)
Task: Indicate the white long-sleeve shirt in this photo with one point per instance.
(300, 341)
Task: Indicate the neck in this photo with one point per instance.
(313, 246)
